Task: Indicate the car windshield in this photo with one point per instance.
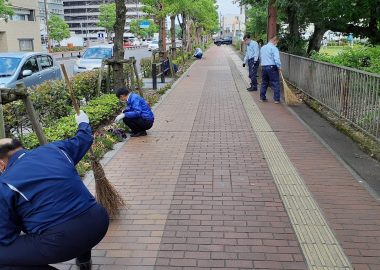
(98, 53)
(8, 66)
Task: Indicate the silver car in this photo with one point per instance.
(30, 68)
(92, 58)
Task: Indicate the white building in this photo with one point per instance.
(82, 16)
(232, 25)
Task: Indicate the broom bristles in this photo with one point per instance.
(290, 98)
(106, 194)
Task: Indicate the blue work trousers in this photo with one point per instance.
(138, 124)
(270, 78)
(72, 239)
(252, 72)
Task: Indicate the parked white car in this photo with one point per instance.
(153, 45)
(92, 58)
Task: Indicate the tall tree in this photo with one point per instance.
(118, 49)
(107, 17)
(137, 30)
(5, 10)
(58, 28)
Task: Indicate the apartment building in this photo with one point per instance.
(82, 16)
(22, 31)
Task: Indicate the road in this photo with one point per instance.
(137, 53)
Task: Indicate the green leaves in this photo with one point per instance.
(143, 32)
(59, 30)
(107, 17)
(5, 10)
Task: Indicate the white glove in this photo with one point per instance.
(119, 117)
(82, 118)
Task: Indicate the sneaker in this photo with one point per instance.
(138, 134)
(249, 89)
(276, 102)
(263, 100)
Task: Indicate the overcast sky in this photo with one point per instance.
(227, 7)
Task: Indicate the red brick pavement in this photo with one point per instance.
(202, 197)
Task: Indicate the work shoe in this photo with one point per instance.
(84, 265)
(251, 89)
(138, 134)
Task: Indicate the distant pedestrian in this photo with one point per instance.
(198, 53)
(260, 42)
(350, 40)
(137, 114)
(324, 43)
(271, 65)
(252, 56)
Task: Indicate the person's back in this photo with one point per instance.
(42, 195)
(51, 193)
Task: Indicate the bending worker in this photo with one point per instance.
(137, 114)
(252, 56)
(42, 196)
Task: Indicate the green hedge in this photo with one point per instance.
(51, 101)
(364, 58)
(99, 111)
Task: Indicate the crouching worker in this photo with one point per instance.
(42, 195)
(198, 53)
(137, 114)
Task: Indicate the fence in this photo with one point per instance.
(352, 94)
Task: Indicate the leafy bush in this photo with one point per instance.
(66, 49)
(364, 58)
(99, 111)
(51, 101)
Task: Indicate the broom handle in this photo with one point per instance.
(70, 90)
(73, 99)
(282, 76)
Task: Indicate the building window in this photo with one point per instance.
(26, 45)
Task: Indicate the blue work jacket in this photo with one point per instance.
(41, 188)
(137, 107)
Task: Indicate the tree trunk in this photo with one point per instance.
(118, 49)
(184, 31)
(316, 39)
(272, 19)
(172, 34)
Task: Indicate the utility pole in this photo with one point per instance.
(47, 25)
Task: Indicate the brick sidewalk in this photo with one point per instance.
(201, 193)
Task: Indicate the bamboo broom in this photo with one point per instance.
(106, 194)
(290, 98)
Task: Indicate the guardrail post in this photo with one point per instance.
(154, 75)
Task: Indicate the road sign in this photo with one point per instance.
(144, 24)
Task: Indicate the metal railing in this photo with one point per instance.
(352, 94)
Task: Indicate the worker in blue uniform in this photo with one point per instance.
(270, 67)
(252, 57)
(47, 215)
(137, 114)
(198, 53)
